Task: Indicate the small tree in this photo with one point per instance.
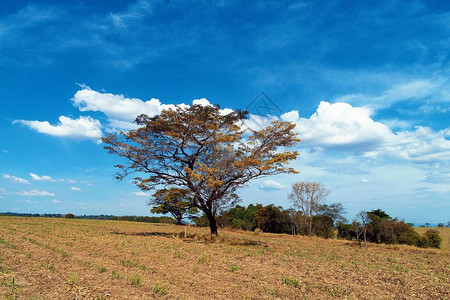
(335, 211)
(308, 197)
(441, 225)
(357, 229)
(69, 216)
(203, 149)
(178, 202)
(448, 224)
(364, 220)
(427, 224)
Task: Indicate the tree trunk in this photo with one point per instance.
(212, 223)
(310, 226)
(365, 230)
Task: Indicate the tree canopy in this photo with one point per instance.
(204, 149)
(176, 201)
(308, 197)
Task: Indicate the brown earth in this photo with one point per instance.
(43, 258)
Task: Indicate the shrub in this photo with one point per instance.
(409, 238)
(434, 239)
(69, 216)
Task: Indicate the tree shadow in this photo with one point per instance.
(150, 233)
(200, 238)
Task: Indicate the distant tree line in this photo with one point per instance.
(97, 217)
(378, 227)
(272, 219)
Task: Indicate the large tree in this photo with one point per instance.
(308, 198)
(204, 149)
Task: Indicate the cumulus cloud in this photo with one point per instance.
(270, 185)
(142, 194)
(36, 193)
(15, 179)
(116, 107)
(76, 189)
(339, 125)
(342, 126)
(42, 178)
(82, 128)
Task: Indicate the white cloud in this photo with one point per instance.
(76, 189)
(56, 201)
(117, 107)
(411, 90)
(344, 127)
(82, 128)
(36, 193)
(122, 111)
(15, 179)
(142, 194)
(42, 178)
(5, 151)
(365, 180)
(339, 125)
(202, 102)
(423, 145)
(270, 185)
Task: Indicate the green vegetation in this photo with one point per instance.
(161, 290)
(290, 282)
(378, 227)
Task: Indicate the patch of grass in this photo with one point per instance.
(290, 281)
(234, 268)
(73, 280)
(102, 269)
(161, 290)
(127, 263)
(4, 269)
(142, 267)
(48, 265)
(136, 280)
(115, 275)
(334, 291)
(2, 241)
(203, 259)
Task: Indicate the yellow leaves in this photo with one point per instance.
(212, 183)
(239, 164)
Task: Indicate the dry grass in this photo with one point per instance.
(75, 259)
(444, 233)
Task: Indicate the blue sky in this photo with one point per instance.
(366, 84)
